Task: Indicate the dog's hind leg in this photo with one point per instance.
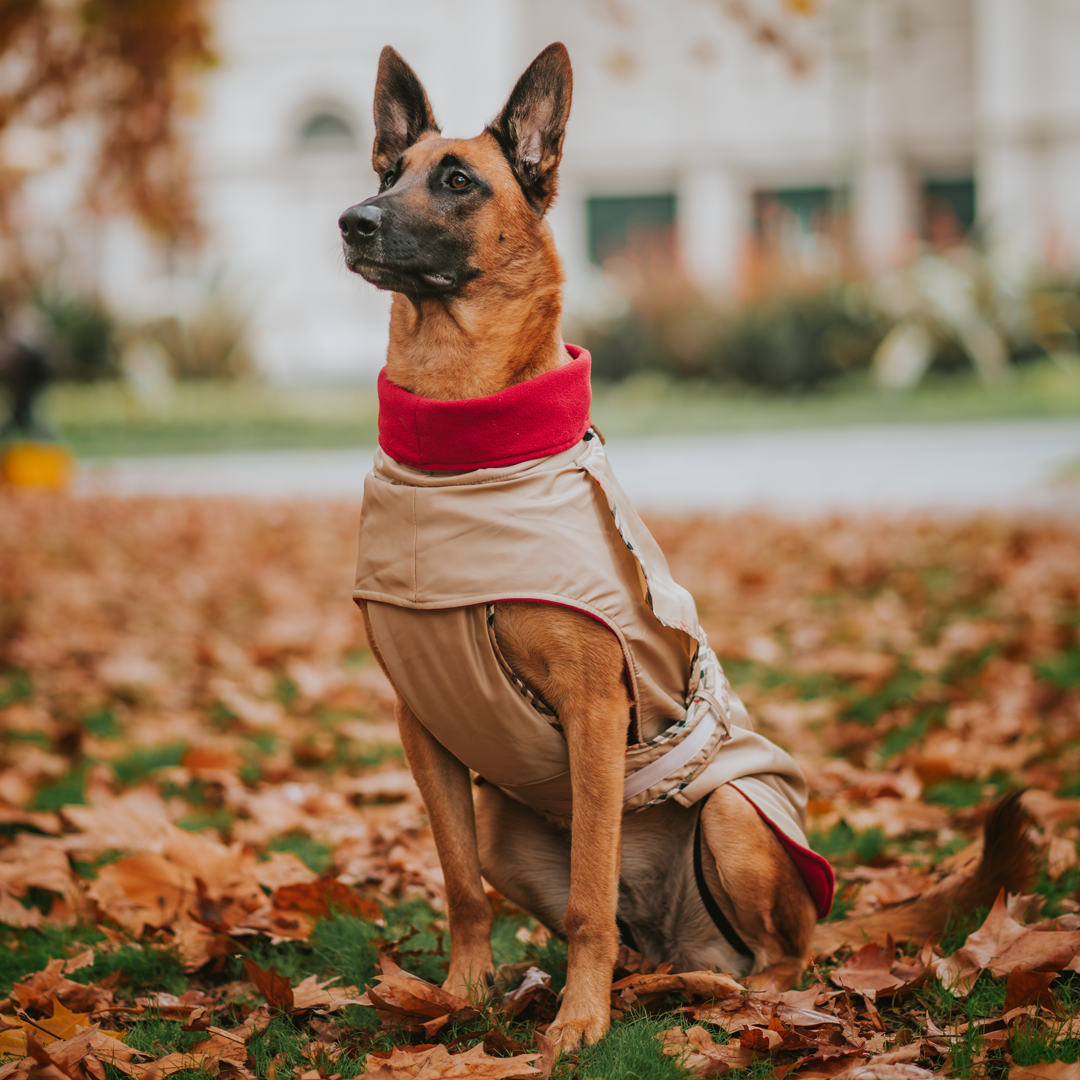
(524, 856)
(759, 888)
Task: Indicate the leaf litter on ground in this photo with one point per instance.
(203, 804)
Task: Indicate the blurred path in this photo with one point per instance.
(951, 467)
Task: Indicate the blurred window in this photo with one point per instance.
(796, 228)
(787, 215)
(615, 222)
(326, 130)
(948, 210)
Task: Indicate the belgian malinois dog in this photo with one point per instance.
(458, 233)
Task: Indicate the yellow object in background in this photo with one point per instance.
(37, 465)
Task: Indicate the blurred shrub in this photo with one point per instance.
(83, 335)
(211, 342)
(787, 341)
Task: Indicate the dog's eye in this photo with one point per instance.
(388, 179)
(459, 180)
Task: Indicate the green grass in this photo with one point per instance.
(108, 420)
(630, 1052)
(315, 855)
(653, 404)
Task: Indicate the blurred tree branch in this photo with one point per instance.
(123, 66)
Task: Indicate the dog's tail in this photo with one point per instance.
(1007, 862)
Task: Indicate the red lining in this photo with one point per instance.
(815, 869)
(533, 419)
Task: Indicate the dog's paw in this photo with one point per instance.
(571, 1031)
(473, 989)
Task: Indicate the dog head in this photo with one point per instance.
(452, 212)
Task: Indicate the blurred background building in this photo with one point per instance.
(829, 134)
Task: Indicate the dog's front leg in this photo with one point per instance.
(576, 665)
(596, 737)
(446, 787)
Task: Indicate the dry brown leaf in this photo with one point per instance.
(312, 994)
(401, 998)
(1002, 945)
(697, 1052)
(869, 970)
(1023, 988)
(437, 1063)
(274, 987)
(1050, 1070)
(708, 985)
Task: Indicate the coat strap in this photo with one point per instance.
(707, 898)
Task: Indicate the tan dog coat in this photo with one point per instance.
(438, 549)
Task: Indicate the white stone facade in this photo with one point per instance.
(707, 100)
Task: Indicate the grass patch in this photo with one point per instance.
(68, 790)
(143, 967)
(106, 419)
(315, 855)
(959, 794)
(843, 843)
(899, 739)
(1063, 671)
(102, 723)
(631, 1051)
(140, 763)
(901, 689)
(15, 686)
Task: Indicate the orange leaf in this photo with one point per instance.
(323, 898)
(274, 987)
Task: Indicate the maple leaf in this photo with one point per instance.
(275, 988)
(437, 1063)
(1002, 945)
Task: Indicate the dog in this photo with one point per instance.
(528, 621)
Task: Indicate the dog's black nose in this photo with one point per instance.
(358, 221)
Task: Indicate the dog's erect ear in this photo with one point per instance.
(531, 126)
(402, 110)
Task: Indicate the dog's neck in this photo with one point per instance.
(497, 334)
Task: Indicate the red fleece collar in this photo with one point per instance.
(534, 419)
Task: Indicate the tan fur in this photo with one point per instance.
(498, 329)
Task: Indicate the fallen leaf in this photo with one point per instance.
(312, 994)
(869, 970)
(697, 1052)
(1050, 1070)
(323, 898)
(275, 988)
(1024, 988)
(437, 1063)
